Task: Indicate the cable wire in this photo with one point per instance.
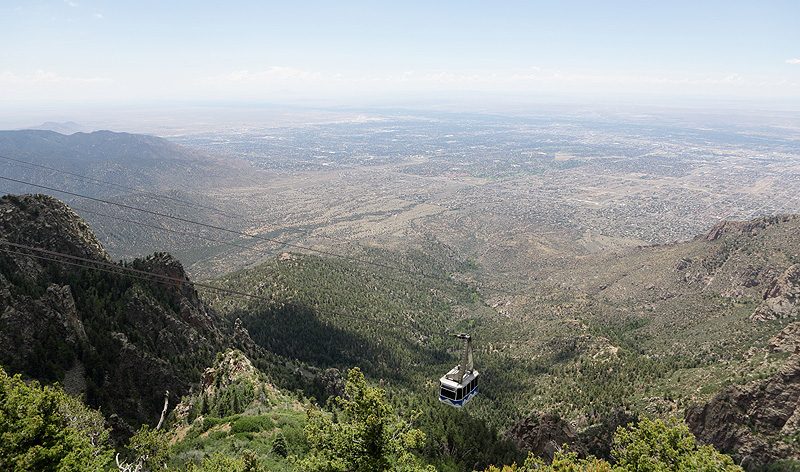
(123, 187)
(142, 274)
(259, 237)
(204, 225)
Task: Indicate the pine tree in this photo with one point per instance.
(44, 429)
(370, 438)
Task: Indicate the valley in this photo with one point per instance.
(604, 260)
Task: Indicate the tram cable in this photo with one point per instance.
(53, 170)
(111, 267)
(204, 225)
(255, 236)
(160, 228)
(190, 204)
(241, 233)
(456, 388)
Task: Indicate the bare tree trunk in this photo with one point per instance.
(164, 411)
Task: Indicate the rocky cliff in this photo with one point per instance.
(545, 435)
(788, 340)
(118, 340)
(755, 422)
(44, 220)
(781, 299)
(750, 227)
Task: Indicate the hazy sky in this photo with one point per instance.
(259, 50)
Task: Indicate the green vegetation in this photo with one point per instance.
(583, 368)
(656, 446)
(149, 449)
(43, 429)
(581, 348)
(649, 446)
(114, 309)
(276, 425)
(370, 438)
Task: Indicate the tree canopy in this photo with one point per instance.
(44, 429)
(649, 446)
(370, 437)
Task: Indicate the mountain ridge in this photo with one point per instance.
(60, 318)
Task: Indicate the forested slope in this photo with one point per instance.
(118, 340)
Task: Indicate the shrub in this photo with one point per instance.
(252, 424)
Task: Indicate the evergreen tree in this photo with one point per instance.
(370, 438)
(279, 445)
(150, 450)
(44, 429)
(650, 446)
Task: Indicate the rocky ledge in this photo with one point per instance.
(781, 299)
(755, 423)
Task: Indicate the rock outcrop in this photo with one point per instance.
(130, 339)
(233, 385)
(45, 222)
(751, 421)
(599, 437)
(25, 320)
(333, 382)
(544, 436)
(788, 340)
(744, 227)
(231, 367)
(781, 299)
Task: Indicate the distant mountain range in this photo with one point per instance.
(136, 170)
(135, 161)
(67, 127)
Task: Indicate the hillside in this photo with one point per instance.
(130, 170)
(118, 340)
(123, 159)
(648, 330)
(654, 330)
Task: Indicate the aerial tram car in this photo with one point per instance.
(458, 386)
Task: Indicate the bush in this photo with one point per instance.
(252, 424)
(216, 435)
(655, 445)
(42, 429)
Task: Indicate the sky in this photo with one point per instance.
(98, 51)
